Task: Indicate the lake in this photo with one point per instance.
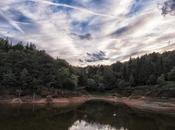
(93, 115)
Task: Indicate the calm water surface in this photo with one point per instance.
(94, 115)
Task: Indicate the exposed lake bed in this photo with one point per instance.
(139, 102)
(142, 103)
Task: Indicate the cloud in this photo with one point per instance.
(11, 22)
(73, 7)
(83, 37)
(89, 32)
(133, 26)
(168, 7)
(96, 56)
(137, 6)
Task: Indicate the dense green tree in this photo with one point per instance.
(171, 75)
(74, 79)
(82, 80)
(109, 78)
(69, 84)
(25, 78)
(18, 46)
(9, 79)
(122, 83)
(152, 80)
(131, 80)
(161, 80)
(23, 67)
(92, 84)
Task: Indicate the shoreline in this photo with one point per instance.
(142, 103)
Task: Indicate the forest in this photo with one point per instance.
(27, 70)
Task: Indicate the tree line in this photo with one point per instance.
(24, 68)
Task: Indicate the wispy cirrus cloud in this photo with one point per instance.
(90, 32)
(11, 22)
(72, 7)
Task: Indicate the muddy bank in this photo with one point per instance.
(142, 103)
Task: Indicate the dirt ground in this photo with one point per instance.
(143, 103)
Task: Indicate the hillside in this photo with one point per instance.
(24, 70)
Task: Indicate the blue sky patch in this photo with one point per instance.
(80, 27)
(18, 16)
(137, 6)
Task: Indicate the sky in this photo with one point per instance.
(91, 32)
(83, 125)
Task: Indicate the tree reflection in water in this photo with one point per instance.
(94, 115)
